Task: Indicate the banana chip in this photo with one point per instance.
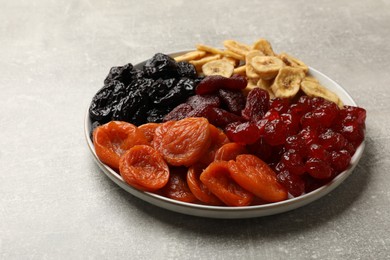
(287, 83)
(267, 67)
(264, 46)
(199, 63)
(192, 55)
(218, 67)
(237, 47)
(313, 88)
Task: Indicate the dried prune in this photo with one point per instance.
(124, 74)
(234, 100)
(160, 66)
(174, 96)
(188, 85)
(155, 115)
(160, 88)
(186, 69)
(102, 103)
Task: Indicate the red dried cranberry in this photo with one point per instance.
(318, 168)
(257, 104)
(319, 152)
(275, 132)
(261, 149)
(340, 160)
(298, 109)
(316, 102)
(293, 162)
(308, 135)
(295, 142)
(353, 132)
(358, 112)
(280, 105)
(332, 140)
(246, 133)
(293, 183)
(292, 123)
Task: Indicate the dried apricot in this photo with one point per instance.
(218, 139)
(177, 187)
(159, 134)
(217, 179)
(144, 168)
(148, 130)
(257, 177)
(200, 191)
(230, 151)
(185, 141)
(111, 140)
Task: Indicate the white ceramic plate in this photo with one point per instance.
(236, 212)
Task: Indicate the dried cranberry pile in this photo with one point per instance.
(308, 142)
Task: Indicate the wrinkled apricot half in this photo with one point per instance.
(148, 130)
(218, 138)
(143, 168)
(197, 188)
(256, 176)
(184, 142)
(177, 187)
(217, 179)
(113, 139)
(230, 151)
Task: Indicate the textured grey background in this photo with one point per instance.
(56, 204)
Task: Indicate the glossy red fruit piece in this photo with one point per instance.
(332, 140)
(246, 133)
(212, 84)
(318, 168)
(261, 149)
(275, 132)
(308, 135)
(257, 104)
(295, 142)
(340, 160)
(280, 105)
(292, 122)
(293, 162)
(293, 183)
(319, 152)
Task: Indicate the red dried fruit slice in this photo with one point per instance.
(212, 84)
(246, 133)
(257, 104)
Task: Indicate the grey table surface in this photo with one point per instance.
(55, 203)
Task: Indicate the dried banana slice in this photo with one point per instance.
(287, 82)
(192, 55)
(240, 70)
(218, 67)
(293, 62)
(236, 47)
(231, 60)
(250, 71)
(264, 46)
(266, 85)
(199, 63)
(233, 55)
(313, 88)
(206, 48)
(267, 67)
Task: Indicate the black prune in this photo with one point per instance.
(160, 88)
(124, 74)
(173, 97)
(101, 106)
(160, 66)
(156, 115)
(234, 100)
(188, 85)
(186, 69)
